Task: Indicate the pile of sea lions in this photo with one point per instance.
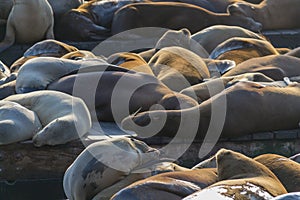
(124, 168)
(208, 74)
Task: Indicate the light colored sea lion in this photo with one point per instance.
(63, 117)
(130, 61)
(50, 47)
(240, 177)
(274, 66)
(212, 36)
(269, 13)
(37, 23)
(17, 123)
(243, 101)
(171, 185)
(137, 15)
(178, 68)
(104, 163)
(118, 94)
(38, 73)
(203, 91)
(286, 170)
(241, 49)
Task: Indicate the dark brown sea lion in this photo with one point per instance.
(244, 108)
(118, 94)
(176, 15)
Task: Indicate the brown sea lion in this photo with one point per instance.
(286, 170)
(240, 178)
(227, 114)
(171, 185)
(177, 15)
(203, 91)
(274, 66)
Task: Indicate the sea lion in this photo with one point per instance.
(294, 52)
(38, 73)
(274, 66)
(162, 167)
(286, 170)
(240, 177)
(118, 94)
(203, 91)
(241, 49)
(137, 15)
(17, 123)
(50, 47)
(130, 61)
(64, 118)
(4, 70)
(274, 19)
(79, 55)
(37, 23)
(171, 185)
(104, 163)
(212, 36)
(178, 68)
(90, 21)
(234, 106)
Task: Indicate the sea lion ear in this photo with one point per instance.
(235, 9)
(186, 32)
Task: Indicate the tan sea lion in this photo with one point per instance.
(241, 49)
(63, 117)
(240, 177)
(37, 23)
(286, 170)
(178, 68)
(171, 185)
(17, 123)
(236, 105)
